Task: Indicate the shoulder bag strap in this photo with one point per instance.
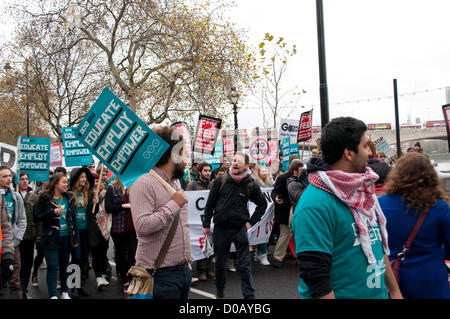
(401, 255)
(166, 244)
(172, 230)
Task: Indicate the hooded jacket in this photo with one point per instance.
(20, 219)
(228, 203)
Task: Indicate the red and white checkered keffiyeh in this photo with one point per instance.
(357, 191)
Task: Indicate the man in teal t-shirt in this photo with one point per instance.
(330, 228)
(339, 229)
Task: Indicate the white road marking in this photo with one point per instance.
(202, 293)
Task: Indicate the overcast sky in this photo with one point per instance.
(368, 44)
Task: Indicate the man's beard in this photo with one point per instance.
(178, 171)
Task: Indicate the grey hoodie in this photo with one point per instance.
(20, 223)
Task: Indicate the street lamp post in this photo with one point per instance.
(233, 97)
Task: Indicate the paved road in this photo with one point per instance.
(269, 283)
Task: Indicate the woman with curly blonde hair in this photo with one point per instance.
(412, 188)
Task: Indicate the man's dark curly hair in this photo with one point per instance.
(168, 134)
(339, 134)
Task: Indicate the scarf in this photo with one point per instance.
(238, 178)
(357, 191)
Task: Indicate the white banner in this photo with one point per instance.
(258, 234)
(8, 156)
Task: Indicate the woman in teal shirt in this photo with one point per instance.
(56, 210)
(81, 185)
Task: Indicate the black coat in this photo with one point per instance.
(94, 233)
(381, 168)
(45, 212)
(229, 205)
(280, 189)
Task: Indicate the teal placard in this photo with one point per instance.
(215, 159)
(119, 138)
(75, 153)
(285, 148)
(34, 157)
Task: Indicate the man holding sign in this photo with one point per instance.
(154, 210)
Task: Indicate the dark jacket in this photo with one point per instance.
(229, 205)
(381, 168)
(45, 212)
(280, 189)
(33, 229)
(198, 185)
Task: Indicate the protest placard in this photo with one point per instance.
(214, 160)
(288, 127)
(75, 153)
(56, 157)
(120, 140)
(206, 134)
(228, 143)
(34, 157)
(383, 146)
(286, 149)
(183, 129)
(305, 127)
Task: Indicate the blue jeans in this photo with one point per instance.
(262, 249)
(222, 238)
(172, 282)
(58, 259)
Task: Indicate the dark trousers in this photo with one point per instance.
(126, 245)
(205, 265)
(80, 255)
(58, 258)
(172, 282)
(222, 238)
(99, 259)
(38, 259)
(26, 248)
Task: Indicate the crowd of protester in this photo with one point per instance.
(344, 215)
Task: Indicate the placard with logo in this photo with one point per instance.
(120, 139)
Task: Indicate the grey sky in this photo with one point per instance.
(368, 44)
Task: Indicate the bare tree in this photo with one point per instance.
(167, 59)
(271, 94)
